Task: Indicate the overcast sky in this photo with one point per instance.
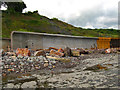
(80, 13)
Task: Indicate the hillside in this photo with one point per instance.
(33, 22)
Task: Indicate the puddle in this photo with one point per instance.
(96, 68)
(14, 78)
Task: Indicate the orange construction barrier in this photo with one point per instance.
(103, 43)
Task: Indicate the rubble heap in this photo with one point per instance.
(24, 60)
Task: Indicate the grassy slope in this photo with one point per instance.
(37, 23)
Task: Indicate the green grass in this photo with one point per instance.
(33, 22)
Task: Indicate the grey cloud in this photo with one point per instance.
(91, 16)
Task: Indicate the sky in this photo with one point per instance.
(80, 13)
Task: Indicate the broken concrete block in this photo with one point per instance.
(53, 48)
(39, 53)
(47, 50)
(59, 59)
(46, 61)
(50, 57)
(108, 50)
(23, 52)
(60, 50)
(56, 53)
(75, 53)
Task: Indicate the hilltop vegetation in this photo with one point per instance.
(33, 22)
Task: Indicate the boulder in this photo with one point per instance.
(10, 85)
(67, 51)
(31, 84)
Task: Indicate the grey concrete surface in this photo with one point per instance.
(43, 40)
(4, 42)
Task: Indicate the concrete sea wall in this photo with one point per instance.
(43, 40)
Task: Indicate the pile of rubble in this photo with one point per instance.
(25, 60)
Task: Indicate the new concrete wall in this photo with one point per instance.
(55, 41)
(43, 40)
(22, 40)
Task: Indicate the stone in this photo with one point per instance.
(31, 84)
(11, 53)
(10, 85)
(46, 61)
(17, 86)
(46, 64)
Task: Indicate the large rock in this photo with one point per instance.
(67, 51)
(10, 85)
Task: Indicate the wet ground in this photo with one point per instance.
(90, 70)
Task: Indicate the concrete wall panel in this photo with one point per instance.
(4, 43)
(53, 41)
(40, 40)
(23, 40)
